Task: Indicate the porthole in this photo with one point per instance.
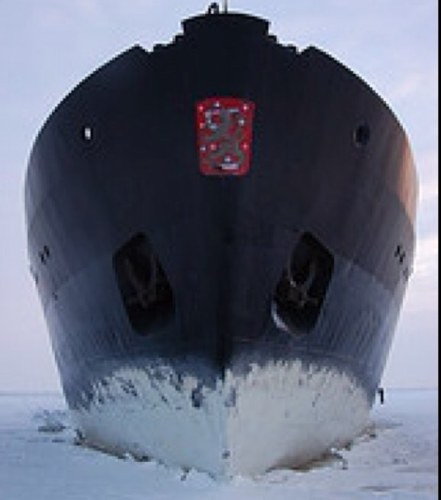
(362, 135)
(87, 133)
(400, 253)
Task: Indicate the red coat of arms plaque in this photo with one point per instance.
(224, 132)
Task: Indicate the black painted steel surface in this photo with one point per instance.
(119, 157)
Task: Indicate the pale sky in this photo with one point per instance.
(49, 46)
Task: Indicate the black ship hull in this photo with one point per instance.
(227, 310)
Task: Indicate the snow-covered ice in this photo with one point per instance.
(39, 459)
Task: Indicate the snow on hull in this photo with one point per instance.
(289, 414)
(283, 414)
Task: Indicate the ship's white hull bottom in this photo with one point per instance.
(281, 415)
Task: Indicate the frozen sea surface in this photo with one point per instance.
(396, 458)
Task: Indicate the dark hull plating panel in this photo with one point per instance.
(119, 157)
